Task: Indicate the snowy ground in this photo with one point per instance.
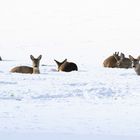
(93, 103)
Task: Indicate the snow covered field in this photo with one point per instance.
(92, 103)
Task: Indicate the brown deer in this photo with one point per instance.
(111, 61)
(135, 64)
(27, 69)
(66, 66)
(123, 62)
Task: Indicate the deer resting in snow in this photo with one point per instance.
(123, 62)
(111, 61)
(26, 69)
(135, 64)
(66, 66)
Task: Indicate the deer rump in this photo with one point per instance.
(68, 66)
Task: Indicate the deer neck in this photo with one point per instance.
(36, 70)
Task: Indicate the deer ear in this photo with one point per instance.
(117, 53)
(131, 58)
(122, 56)
(115, 56)
(64, 61)
(39, 57)
(31, 57)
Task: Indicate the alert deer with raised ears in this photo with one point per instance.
(135, 64)
(29, 70)
(123, 62)
(66, 66)
(111, 61)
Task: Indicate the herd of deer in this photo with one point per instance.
(62, 66)
(120, 61)
(114, 61)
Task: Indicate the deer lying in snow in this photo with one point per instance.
(66, 66)
(123, 62)
(111, 61)
(27, 69)
(135, 64)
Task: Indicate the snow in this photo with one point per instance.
(91, 103)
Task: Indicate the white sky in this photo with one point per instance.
(67, 23)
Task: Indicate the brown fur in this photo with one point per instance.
(111, 62)
(22, 69)
(123, 62)
(26, 69)
(66, 66)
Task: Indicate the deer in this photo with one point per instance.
(135, 63)
(111, 61)
(123, 62)
(29, 70)
(66, 66)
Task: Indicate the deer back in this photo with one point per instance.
(22, 69)
(69, 66)
(66, 66)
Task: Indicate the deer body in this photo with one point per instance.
(123, 62)
(27, 69)
(22, 69)
(111, 61)
(66, 66)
